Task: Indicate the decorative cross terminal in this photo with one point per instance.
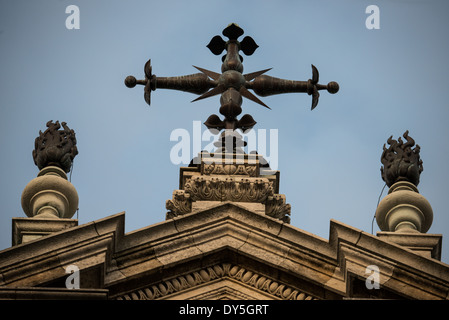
(231, 83)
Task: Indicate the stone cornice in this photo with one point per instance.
(43, 260)
(187, 241)
(34, 293)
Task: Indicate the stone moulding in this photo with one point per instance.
(26, 229)
(124, 263)
(37, 293)
(230, 169)
(163, 289)
(230, 164)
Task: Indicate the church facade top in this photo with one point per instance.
(232, 84)
(227, 232)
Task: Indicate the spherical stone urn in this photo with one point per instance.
(50, 195)
(404, 210)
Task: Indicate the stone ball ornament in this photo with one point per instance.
(404, 210)
(50, 195)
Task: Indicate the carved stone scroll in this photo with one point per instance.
(180, 204)
(277, 208)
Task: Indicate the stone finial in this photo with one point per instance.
(403, 209)
(55, 147)
(49, 200)
(50, 194)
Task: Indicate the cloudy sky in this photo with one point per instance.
(391, 80)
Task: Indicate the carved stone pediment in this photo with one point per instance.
(226, 251)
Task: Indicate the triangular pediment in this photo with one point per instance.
(260, 257)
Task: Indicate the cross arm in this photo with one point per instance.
(197, 83)
(265, 85)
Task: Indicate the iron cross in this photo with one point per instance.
(231, 83)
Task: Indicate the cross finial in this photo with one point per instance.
(231, 83)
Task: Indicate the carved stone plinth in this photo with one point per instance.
(428, 245)
(28, 229)
(230, 177)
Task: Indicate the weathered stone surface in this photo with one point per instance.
(222, 177)
(429, 245)
(230, 164)
(222, 281)
(404, 210)
(49, 201)
(259, 248)
(33, 293)
(26, 229)
(50, 195)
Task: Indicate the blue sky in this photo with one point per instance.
(391, 80)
